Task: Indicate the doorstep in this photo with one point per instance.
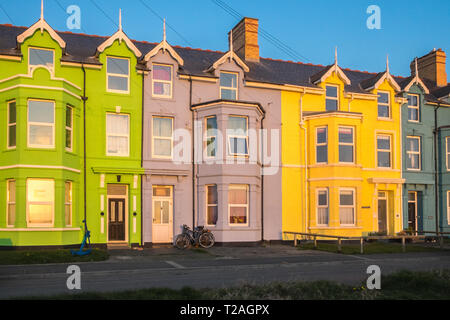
(118, 246)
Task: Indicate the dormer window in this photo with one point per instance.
(413, 108)
(162, 81)
(118, 74)
(228, 86)
(384, 111)
(332, 98)
(41, 57)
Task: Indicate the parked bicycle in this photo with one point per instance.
(199, 236)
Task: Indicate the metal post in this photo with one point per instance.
(339, 245)
(441, 241)
(362, 245)
(403, 244)
(295, 239)
(315, 242)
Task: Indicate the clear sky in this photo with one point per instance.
(312, 29)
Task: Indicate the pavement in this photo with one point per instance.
(216, 267)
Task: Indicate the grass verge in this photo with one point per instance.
(397, 286)
(17, 257)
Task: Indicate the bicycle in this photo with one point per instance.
(198, 236)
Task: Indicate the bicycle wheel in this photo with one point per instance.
(206, 240)
(182, 241)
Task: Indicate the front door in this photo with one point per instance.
(382, 212)
(116, 219)
(162, 226)
(412, 211)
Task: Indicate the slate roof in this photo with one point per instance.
(81, 48)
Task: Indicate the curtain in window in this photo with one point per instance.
(40, 200)
(237, 200)
(117, 127)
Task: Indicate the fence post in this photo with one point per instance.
(403, 244)
(339, 245)
(362, 245)
(441, 241)
(295, 239)
(315, 242)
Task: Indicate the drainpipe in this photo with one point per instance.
(84, 98)
(305, 148)
(192, 152)
(436, 186)
(262, 178)
(142, 158)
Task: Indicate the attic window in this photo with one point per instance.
(228, 85)
(118, 73)
(41, 57)
(162, 81)
(332, 98)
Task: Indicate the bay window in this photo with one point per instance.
(40, 202)
(211, 136)
(68, 203)
(346, 145)
(321, 145)
(10, 203)
(41, 124)
(237, 136)
(238, 204)
(322, 207)
(211, 205)
(69, 128)
(347, 207)
(11, 125)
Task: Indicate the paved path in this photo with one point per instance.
(127, 270)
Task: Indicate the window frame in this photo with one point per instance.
(448, 207)
(447, 152)
(29, 145)
(39, 225)
(69, 129)
(332, 98)
(384, 150)
(247, 190)
(321, 143)
(52, 69)
(172, 119)
(229, 88)
(8, 124)
(319, 206)
(414, 153)
(118, 75)
(231, 154)
(117, 135)
(68, 203)
(347, 144)
(9, 202)
(207, 204)
(414, 107)
(210, 136)
(388, 104)
(353, 190)
(163, 81)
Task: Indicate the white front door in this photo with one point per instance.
(162, 207)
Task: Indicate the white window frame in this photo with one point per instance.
(414, 152)
(52, 69)
(207, 205)
(347, 144)
(117, 135)
(388, 104)
(69, 128)
(447, 152)
(448, 207)
(118, 75)
(230, 88)
(162, 138)
(29, 224)
(9, 202)
(322, 143)
(384, 150)
(318, 206)
(52, 146)
(332, 98)
(163, 81)
(8, 125)
(347, 206)
(210, 136)
(414, 107)
(239, 187)
(239, 137)
(68, 203)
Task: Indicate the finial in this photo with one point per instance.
(417, 70)
(335, 56)
(120, 19)
(42, 9)
(231, 41)
(164, 29)
(387, 63)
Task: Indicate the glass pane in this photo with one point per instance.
(117, 83)
(12, 191)
(412, 100)
(68, 192)
(117, 124)
(384, 143)
(448, 144)
(40, 213)
(322, 153)
(383, 111)
(413, 114)
(112, 213)
(69, 117)
(41, 111)
(412, 144)
(321, 135)
(68, 139)
(211, 125)
(161, 88)
(331, 91)
(346, 135)
(41, 135)
(383, 97)
(238, 146)
(67, 215)
(384, 159)
(161, 192)
(331, 105)
(40, 190)
(118, 145)
(120, 213)
(162, 72)
(345, 153)
(228, 94)
(322, 198)
(12, 136)
(228, 80)
(211, 147)
(346, 216)
(413, 161)
(163, 147)
(212, 194)
(118, 66)
(157, 212)
(212, 215)
(322, 216)
(238, 215)
(238, 123)
(237, 196)
(346, 198)
(11, 214)
(162, 127)
(165, 212)
(411, 196)
(116, 190)
(12, 112)
(41, 57)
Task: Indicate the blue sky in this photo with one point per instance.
(311, 28)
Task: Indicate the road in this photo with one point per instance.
(126, 272)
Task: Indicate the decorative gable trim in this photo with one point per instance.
(416, 80)
(41, 25)
(386, 76)
(164, 46)
(230, 55)
(333, 68)
(121, 36)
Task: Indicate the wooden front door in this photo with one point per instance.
(116, 219)
(382, 212)
(412, 211)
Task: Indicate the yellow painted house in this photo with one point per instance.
(341, 154)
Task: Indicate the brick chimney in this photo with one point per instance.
(245, 39)
(432, 67)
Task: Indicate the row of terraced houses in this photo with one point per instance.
(139, 138)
